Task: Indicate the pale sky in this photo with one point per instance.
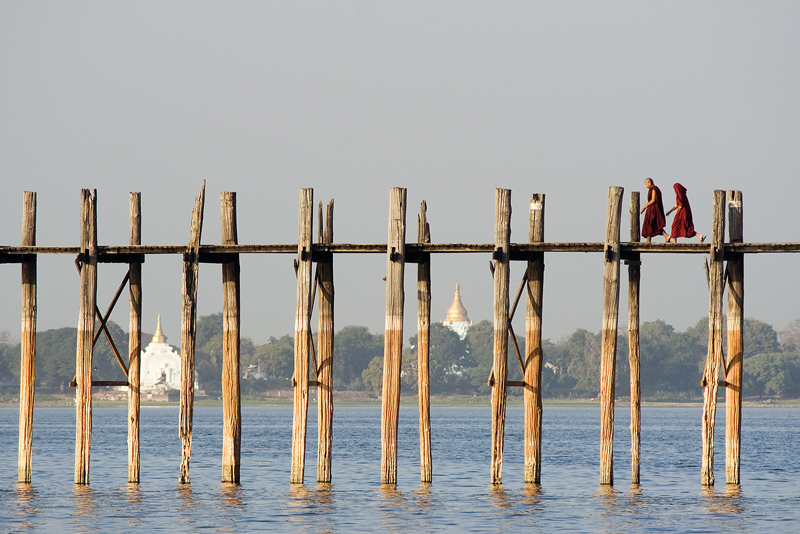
(450, 99)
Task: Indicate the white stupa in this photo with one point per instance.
(457, 319)
(161, 365)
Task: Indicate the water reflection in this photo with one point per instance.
(727, 502)
(133, 493)
(26, 505)
(85, 508)
(608, 498)
(531, 494)
(394, 509)
(498, 496)
(231, 496)
(134, 496)
(423, 494)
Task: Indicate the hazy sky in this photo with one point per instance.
(448, 99)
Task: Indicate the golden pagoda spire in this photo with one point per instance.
(159, 337)
(457, 313)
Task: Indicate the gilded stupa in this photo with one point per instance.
(457, 319)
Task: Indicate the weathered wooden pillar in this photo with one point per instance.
(393, 345)
(134, 340)
(83, 360)
(733, 376)
(634, 276)
(716, 288)
(502, 240)
(423, 348)
(27, 369)
(608, 354)
(231, 395)
(191, 261)
(533, 347)
(302, 337)
(325, 344)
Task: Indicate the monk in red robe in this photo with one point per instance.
(682, 224)
(654, 220)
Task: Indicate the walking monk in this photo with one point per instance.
(682, 224)
(654, 220)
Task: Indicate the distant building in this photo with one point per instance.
(161, 365)
(457, 319)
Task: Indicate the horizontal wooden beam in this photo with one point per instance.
(414, 251)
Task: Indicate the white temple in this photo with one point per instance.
(161, 365)
(457, 319)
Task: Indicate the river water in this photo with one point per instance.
(460, 499)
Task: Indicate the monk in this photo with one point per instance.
(654, 220)
(682, 224)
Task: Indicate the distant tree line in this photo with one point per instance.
(671, 362)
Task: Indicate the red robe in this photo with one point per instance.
(654, 218)
(682, 224)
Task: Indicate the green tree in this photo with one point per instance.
(448, 361)
(772, 374)
(480, 344)
(759, 337)
(276, 358)
(372, 376)
(354, 349)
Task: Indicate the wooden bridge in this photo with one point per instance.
(725, 269)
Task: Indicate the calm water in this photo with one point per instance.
(460, 499)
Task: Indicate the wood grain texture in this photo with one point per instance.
(27, 373)
(325, 338)
(714, 356)
(423, 349)
(302, 336)
(134, 340)
(85, 345)
(608, 349)
(533, 347)
(634, 276)
(502, 239)
(393, 340)
(189, 332)
(734, 369)
(231, 393)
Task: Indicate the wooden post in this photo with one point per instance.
(502, 240)
(134, 340)
(423, 348)
(27, 369)
(325, 344)
(189, 332)
(231, 395)
(393, 345)
(634, 276)
(533, 347)
(83, 360)
(716, 287)
(302, 336)
(733, 376)
(608, 354)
